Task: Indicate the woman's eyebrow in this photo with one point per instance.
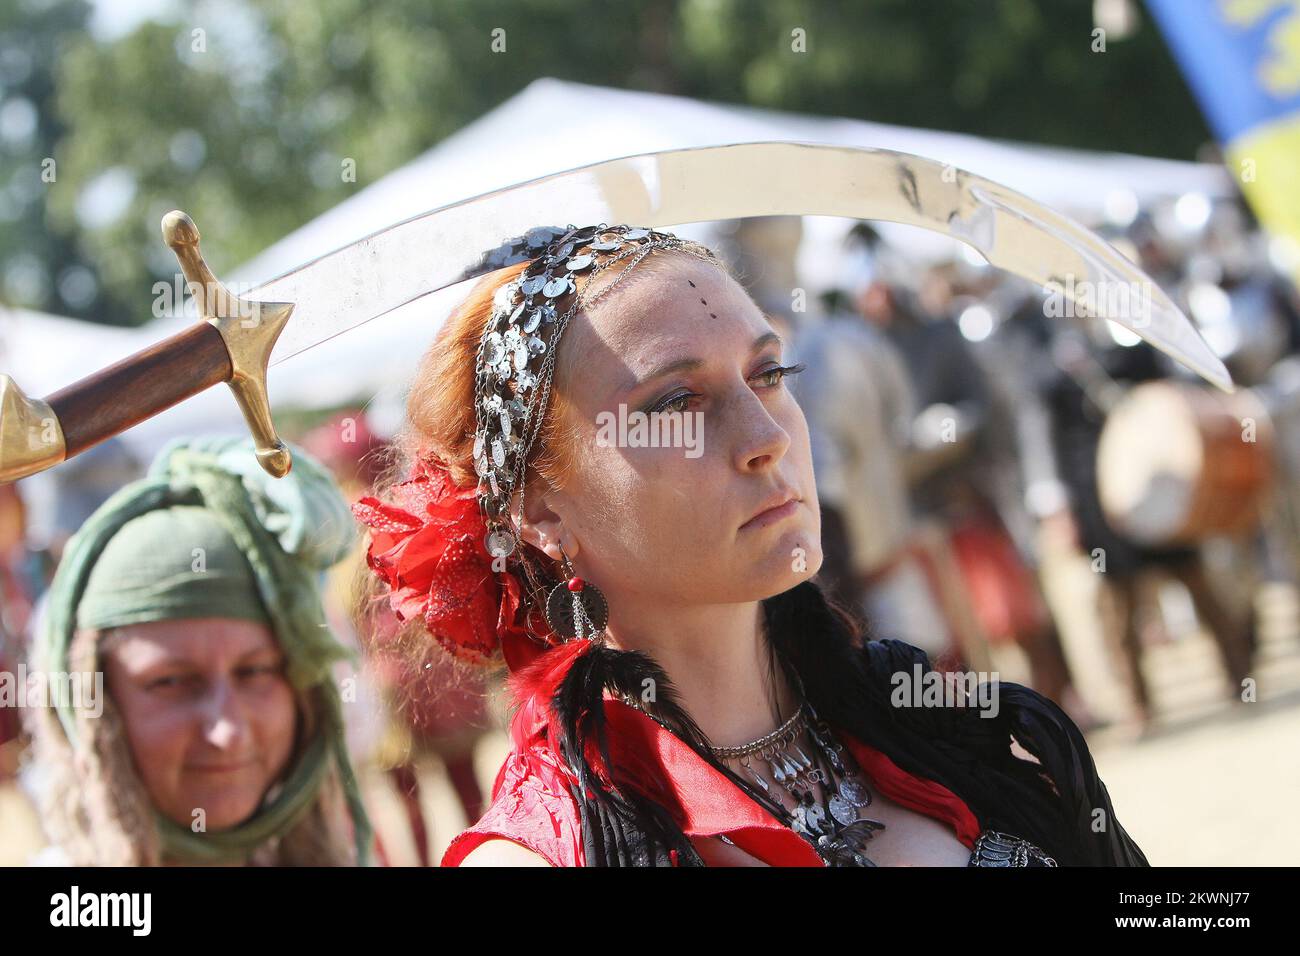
(690, 364)
(167, 662)
(680, 365)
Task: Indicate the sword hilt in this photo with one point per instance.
(232, 344)
(249, 330)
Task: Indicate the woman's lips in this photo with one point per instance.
(772, 515)
(220, 767)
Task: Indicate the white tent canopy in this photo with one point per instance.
(600, 124)
(551, 126)
(45, 352)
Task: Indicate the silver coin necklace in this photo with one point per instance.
(832, 821)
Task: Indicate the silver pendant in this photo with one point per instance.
(777, 773)
(791, 768)
(758, 778)
(500, 544)
(557, 287)
(504, 296)
(855, 792)
(843, 811)
(801, 759)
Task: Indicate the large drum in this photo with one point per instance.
(1178, 463)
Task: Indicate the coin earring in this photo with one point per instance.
(575, 608)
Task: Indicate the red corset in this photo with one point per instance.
(531, 804)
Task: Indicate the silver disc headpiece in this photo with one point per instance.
(516, 355)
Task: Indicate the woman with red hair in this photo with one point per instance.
(685, 693)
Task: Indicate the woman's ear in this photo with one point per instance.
(544, 529)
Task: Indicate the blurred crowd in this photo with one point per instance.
(960, 431)
(965, 423)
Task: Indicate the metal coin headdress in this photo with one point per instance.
(515, 363)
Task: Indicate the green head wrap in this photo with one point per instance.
(170, 563)
(207, 533)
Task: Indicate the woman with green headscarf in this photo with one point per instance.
(190, 597)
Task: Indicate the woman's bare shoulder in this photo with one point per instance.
(499, 851)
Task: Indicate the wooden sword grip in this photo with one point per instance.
(139, 387)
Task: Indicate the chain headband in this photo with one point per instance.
(515, 363)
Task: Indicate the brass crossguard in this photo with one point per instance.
(249, 330)
(232, 344)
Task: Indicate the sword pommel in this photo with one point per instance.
(249, 330)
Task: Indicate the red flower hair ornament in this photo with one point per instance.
(428, 547)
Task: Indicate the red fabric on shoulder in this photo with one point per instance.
(529, 807)
(532, 805)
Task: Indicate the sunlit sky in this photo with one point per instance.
(114, 18)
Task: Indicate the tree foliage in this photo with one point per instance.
(249, 115)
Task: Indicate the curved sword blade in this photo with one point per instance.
(421, 255)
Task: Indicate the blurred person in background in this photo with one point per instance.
(858, 401)
(216, 736)
(19, 583)
(1249, 312)
(37, 517)
(956, 441)
(946, 413)
(990, 489)
(427, 712)
(1092, 371)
